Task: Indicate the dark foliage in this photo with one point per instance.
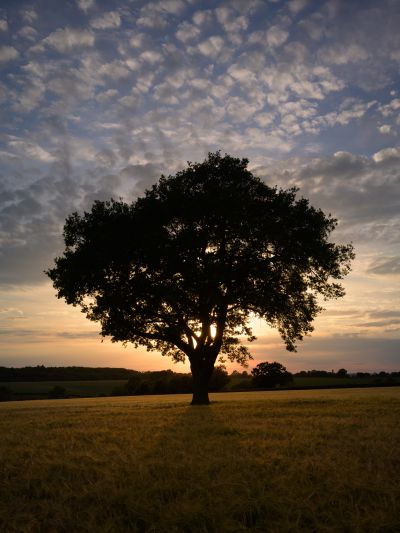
(315, 374)
(267, 375)
(57, 393)
(69, 373)
(219, 379)
(183, 268)
(168, 382)
(5, 394)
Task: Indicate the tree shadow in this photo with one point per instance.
(199, 475)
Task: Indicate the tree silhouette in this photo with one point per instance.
(182, 269)
(270, 374)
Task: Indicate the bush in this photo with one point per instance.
(270, 375)
(5, 394)
(57, 393)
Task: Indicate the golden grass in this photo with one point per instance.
(263, 462)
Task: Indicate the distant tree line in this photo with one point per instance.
(169, 382)
(81, 373)
(264, 376)
(63, 373)
(342, 373)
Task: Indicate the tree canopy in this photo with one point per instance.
(270, 375)
(183, 268)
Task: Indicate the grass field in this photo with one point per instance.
(265, 462)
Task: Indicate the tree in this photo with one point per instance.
(270, 375)
(183, 268)
(57, 393)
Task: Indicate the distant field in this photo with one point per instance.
(261, 461)
(25, 390)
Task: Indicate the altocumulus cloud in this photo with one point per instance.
(99, 99)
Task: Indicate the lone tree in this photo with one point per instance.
(182, 269)
(270, 374)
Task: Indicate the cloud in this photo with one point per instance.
(10, 313)
(156, 14)
(31, 150)
(187, 32)
(150, 56)
(174, 7)
(349, 112)
(203, 17)
(314, 26)
(230, 21)
(106, 21)
(341, 54)
(138, 40)
(38, 334)
(386, 129)
(30, 96)
(29, 15)
(77, 334)
(115, 69)
(3, 25)
(67, 39)
(361, 192)
(32, 218)
(295, 6)
(391, 108)
(71, 86)
(380, 323)
(353, 352)
(386, 266)
(385, 314)
(212, 47)
(276, 36)
(29, 33)
(8, 53)
(392, 153)
(16, 332)
(85, 5)
(107, 95)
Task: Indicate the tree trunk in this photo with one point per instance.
(201, 369)
(200, 394)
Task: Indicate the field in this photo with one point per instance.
(263, 462)
(33, 390)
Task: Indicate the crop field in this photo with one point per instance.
(312, 461)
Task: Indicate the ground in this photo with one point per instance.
(261, 461)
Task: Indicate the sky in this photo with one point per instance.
(99, 98)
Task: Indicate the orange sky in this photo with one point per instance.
(350, 333)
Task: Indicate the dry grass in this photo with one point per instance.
(268, 462)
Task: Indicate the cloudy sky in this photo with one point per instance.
(98, 98)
